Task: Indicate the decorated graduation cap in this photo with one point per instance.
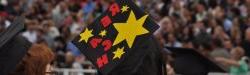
(13, 47)
(190, 62)
(120, 35)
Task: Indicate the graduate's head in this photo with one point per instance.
(18, 56)
(35, 61)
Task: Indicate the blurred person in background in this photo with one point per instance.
(220, 33)
(50, 28)
(176, 8)
(235, 32)
(78, 64)
(69, 60)
(3, 24)
(31, 32)
(50, 32)
(219, 50)
(187, 44)
(237, 63)
(160, 39)
(186, 37)
(198, 27)
(200, 11)
(166, 26)
(59, 13)
(228, 45)
(172, 41)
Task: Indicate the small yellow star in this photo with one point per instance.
(130, 30)
(124, 8)
(103, 33)
(118, 53)
(86, 35)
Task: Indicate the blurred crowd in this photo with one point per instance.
(222, 28)
(57, 22)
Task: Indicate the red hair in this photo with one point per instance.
(35, 61)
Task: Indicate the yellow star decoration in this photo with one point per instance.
(118, 53)
(86, 35)
(124, 8)
(103, 33)
(130, 30)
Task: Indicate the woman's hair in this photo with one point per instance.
(35, 61)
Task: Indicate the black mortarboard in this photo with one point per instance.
(13, 47)
(118, 37)
(145, 60)
(191, 62)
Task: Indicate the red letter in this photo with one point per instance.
(114, 9)
(106, 21)
(107, 44)
(95, 41)
(102, 61)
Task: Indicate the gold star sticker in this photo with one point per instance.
(103, 33)
(86, 35)
(118, 53)
(130, 30)
(124, 8)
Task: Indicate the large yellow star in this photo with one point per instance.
(86, 35)
(124, 8)
(103, 33)
(130, 30)
(118, 53)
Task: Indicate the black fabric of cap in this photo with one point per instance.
(13, 47)
(191, 62)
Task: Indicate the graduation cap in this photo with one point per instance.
(191, 62)
(13, 47)
(118, 36)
